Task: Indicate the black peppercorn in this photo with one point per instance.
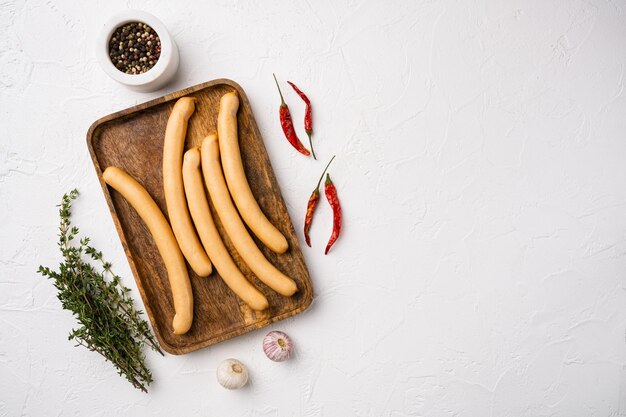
(137, 41)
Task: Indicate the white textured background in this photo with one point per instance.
(481, 162)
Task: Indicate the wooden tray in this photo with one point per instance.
(132, 139)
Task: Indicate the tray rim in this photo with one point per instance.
(175, 350)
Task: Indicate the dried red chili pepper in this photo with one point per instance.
(311, 205)
(308, 117)
(287, 124)
(333, 200)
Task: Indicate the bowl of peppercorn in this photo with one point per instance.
(135, 49)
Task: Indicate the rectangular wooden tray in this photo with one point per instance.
(132, 140)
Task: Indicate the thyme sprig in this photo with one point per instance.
(109, 322)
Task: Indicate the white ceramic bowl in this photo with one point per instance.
(157, 76)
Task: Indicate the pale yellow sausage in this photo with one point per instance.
(177, 210)
(236, 177)
(236, 230)
(140, 200)
(210, 237)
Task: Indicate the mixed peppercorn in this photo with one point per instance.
(134, 48)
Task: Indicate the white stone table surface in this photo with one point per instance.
(481, 163)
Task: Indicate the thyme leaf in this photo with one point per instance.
(109, 322)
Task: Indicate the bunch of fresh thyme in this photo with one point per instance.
(110, 324)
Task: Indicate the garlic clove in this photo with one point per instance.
(232, 374)
(277, 346)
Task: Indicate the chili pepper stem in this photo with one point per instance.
(325, 169)
(282, 100)
(311, 145)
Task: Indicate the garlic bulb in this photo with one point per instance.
(232, 374)
(277, 346)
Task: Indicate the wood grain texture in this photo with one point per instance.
(132, 140)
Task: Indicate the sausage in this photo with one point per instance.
(236, 177)
(210, 237)
(140, 200)
(177, 210)
(236, 230)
